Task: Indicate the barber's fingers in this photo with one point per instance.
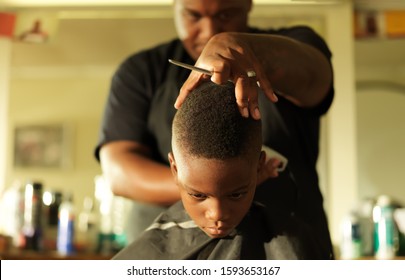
(264, 83)
(254, 106)
(272, 167)
(222, 71)
(246, 94)
(247, 85)
(268, 170)
(254, 96)
(192, 82)
(184, 91)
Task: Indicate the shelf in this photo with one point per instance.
(32, 255)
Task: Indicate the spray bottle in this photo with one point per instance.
(65, 239)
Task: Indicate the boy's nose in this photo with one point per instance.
(216, 211)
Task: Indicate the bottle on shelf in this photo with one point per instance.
(385, 231)
(52, 201)
(33, 217)
(87, 228)
(367, 226)
(351, 242)
(65, 238)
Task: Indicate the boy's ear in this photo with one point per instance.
(173, 166)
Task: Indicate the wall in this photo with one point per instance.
(5, 50)
(66, 81)
(380, 71)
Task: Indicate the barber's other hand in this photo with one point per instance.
(229, 56)
(269, 170)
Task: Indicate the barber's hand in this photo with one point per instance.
(229, 56)
(269, 170)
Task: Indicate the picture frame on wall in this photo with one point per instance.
(42, 146)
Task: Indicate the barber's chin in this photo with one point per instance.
(197, 50)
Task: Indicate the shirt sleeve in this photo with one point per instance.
(128, 103)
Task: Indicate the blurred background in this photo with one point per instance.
(57, 59)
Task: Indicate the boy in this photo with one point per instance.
(216, 158)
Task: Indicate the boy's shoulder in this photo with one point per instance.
(173, 235)
(262, 234)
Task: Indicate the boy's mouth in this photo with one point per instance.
(217, 231)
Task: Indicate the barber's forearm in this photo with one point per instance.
(151, 183)
(296, 70)
(138, 178)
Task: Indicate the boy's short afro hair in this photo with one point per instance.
(209, 124)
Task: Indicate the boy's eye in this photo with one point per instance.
(198, 196)
(237, 195)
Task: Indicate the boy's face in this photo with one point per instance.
(216, 194)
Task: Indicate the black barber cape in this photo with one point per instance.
(260, 235)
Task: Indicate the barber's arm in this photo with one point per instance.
(296, 70)
(132, 174)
